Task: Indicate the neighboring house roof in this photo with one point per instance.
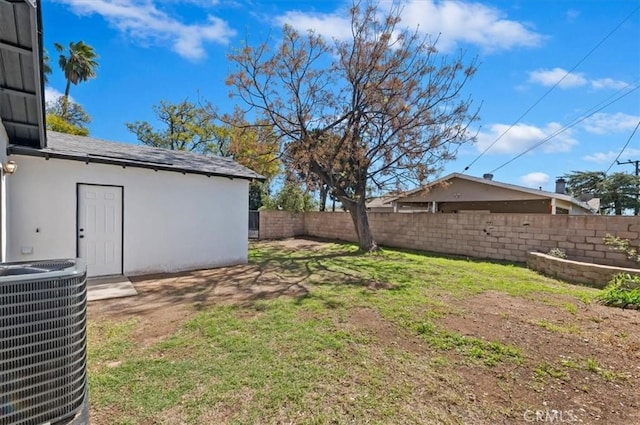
(381, 201)
(594, 203)
(21, 82)
(88, 149)
(494, 183)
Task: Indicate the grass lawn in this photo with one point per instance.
(315, 333)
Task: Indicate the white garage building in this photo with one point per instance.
(125, 209)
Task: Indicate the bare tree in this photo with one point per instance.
(382, 109)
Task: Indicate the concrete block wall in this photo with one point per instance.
(482, 235)
(280, 224)
(330, 225)
(572, 271)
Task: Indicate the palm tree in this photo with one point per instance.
(79, 64)
(46, 68)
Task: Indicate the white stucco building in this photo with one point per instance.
(125, 209)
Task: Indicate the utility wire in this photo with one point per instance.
(623, 148)
(567, 127)
(588, 113)
(551, 88)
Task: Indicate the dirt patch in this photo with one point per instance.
(164, 297)
(293, 244)
(387, 334)
(585, 363)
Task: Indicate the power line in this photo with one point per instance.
(636, 163)
(551, 88)
(623, 148)
(567, 127)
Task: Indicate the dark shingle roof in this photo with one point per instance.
(88, 149)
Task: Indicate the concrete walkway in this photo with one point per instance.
(104, 288)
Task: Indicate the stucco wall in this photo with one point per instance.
(172, 221)
(482, 235)
(4, 141)
(459, 190)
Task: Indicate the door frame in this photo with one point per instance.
(78, 219)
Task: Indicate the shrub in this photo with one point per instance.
(622, 245)
(291, 198)
(558, 253)
(622, 291)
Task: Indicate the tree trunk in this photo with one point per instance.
(358, 212)
(618, 207)
(324, 189)
(65, 101)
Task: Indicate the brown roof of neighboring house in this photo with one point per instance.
(567, 198)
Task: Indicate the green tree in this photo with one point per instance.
(252, 145)
(257, 194)
(186, 127)
(46, 67)
(255, 147)
(78, 62)
(290, 198)
(381, 108)
(75, 114)
(75, 121)
(189, 127)
(618, 192)
(59, 124)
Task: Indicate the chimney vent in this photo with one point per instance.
(487, 176)
(561, 186)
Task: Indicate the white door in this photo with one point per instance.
(100, 228)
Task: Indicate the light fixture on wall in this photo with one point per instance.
(9, 167)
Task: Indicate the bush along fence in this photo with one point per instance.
(481, 235)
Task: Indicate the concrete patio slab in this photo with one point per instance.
(104, 288)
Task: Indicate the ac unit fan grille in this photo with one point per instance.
(42, 348)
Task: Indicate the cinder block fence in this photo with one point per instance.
(481, 235)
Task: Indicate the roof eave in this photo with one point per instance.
(38, 55)
(30, 10)
(26, 151)
(508, 186)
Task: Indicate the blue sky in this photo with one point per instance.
(152, 50)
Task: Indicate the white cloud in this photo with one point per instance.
(549, 77)
(456, 22)
(522, 137)
(608, 157)
(572, 15)
(51, 95)
(335, 26)
(535, 180)
(200, 3)
(143, 21)
(602, 123)
(608, 83)
(567, 80)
